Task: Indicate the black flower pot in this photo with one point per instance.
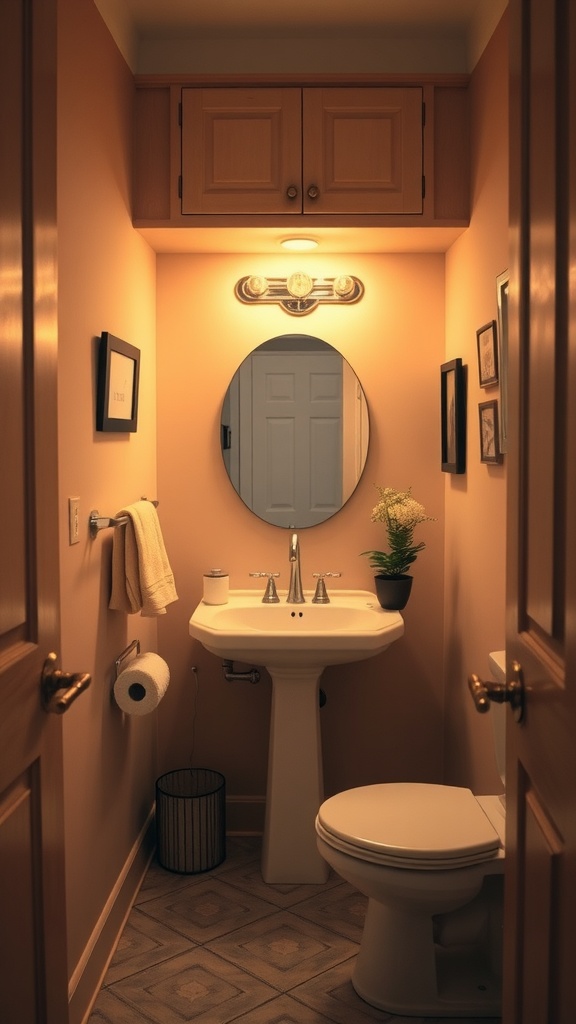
(393, 591)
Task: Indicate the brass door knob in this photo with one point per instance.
(292, 192)
(510, 692)
(60, 689)
(313, 192)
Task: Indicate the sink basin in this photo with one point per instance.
(295, 642)
(352, 627)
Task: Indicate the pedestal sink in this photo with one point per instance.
(295, 643)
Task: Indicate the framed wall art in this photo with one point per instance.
(487, 354)
(117, 389)
(502, 282)
(489, 432)
(453, 416)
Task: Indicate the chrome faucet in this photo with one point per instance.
(295, 595)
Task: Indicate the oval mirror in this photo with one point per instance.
(294, 431)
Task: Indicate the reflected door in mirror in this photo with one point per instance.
(294, 431)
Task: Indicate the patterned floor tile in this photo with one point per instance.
(108, 1009)
(283, 1010)
(240, 852)
(284, 950)
(206, 909)
(159, 882)
(248, 878)
(341, 909)
(143, 943)
(265, 954)
(332, 995)
(195, 987)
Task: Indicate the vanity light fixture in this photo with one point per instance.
(299, 244)
(299, 293)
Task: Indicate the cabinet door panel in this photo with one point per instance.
(363, 150)
(241, 150)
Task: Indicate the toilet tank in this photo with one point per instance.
(497, 662)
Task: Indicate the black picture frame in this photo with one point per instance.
(453, 416)
(502, 287)
(489, 432)
(487, 343)
(118, 382)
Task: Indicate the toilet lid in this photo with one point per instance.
(405, 824)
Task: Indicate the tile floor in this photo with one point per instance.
(223, 946)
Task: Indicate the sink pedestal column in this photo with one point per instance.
(295, 787)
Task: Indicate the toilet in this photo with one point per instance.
(430, 859)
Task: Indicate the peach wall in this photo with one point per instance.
(383, 717)
(475, 560)
(106, 282)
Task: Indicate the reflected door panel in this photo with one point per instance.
(294, 431)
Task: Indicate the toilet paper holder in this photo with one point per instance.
(135, 645)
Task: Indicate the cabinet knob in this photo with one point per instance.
(313, 192)
(292, 192)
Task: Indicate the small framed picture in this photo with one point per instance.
(487, 354)
(489, 432)
(118, 379)
(502, 283)
(453, 416)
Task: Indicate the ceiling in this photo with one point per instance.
(163, 36)
(249, 16)
(262, 17)
(180, 36)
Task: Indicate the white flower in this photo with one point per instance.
(400, 514)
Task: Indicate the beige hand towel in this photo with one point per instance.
(142, 579)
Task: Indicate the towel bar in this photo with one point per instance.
(98, 522)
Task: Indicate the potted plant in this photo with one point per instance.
(401, 514)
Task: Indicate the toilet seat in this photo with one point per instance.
(419, 826)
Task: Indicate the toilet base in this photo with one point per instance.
(402, 970)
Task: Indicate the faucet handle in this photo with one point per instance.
(270, 595)
(321, 595)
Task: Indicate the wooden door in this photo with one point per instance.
(362, 150)
(33, 969)
(540, 912)
(241, 151)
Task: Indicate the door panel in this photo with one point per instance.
(540, 919)
(296, 437)
(241, 150)
(33, 969)
(363, 150)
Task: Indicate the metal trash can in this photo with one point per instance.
(191, 820)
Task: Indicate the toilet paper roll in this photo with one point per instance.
(140, 687)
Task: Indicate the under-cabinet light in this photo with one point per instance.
(299, 244)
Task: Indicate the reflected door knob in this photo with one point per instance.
(510, 692)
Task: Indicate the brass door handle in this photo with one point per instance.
(511, 692)
(60, 689)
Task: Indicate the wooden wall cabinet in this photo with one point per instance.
(365, 154)
(302, 150)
